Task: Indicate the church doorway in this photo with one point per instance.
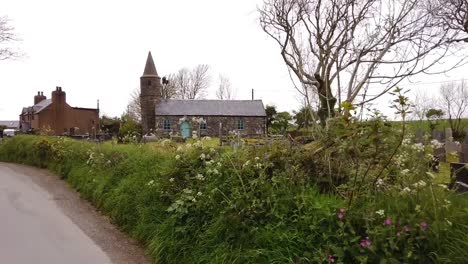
(185, 129)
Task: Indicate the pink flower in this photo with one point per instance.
(423, 226)
(331, 259)
(365, 242)
(387, 221)
(406, 228)
(341, 213)
(398, 234)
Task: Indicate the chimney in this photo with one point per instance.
(39, 98)
(252, 94)
(58, 96)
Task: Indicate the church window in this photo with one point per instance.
(167, 124)
(203, 126)
(240, 124)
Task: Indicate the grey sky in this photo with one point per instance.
(97, 50)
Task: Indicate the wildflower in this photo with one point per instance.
(150, 183)
(199, 193)
(179, 149)
(200, 177)
(188, 145)
(380, 212)
(258, 165)
(423, 226)
(341, 213)
(331, 259)
(406, 228)
(380, 183)
(215, 171)
(187, 191)
(202, 156)
(218, 164)
(257, 158)
(365, 242)
(212, 150)
(417, 208)
(171, 179)
(387, 221)
(194, 200)
(398, 234)
(404, 172)
(246, 164)
(406, 190)
(177, 157)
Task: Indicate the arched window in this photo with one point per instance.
(240, 124)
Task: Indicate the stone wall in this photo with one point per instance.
(253, 126)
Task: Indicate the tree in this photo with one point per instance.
(7, 37)
(304, 117)
(134, 105)
(421, 105)
(281, 123)
(225, 90)
(192, 83)
(271, 112)
(451, 15)
(454, 102)
(340, 48)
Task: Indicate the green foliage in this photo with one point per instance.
(304, 117)
(271, 112)
(193, 203)
(281, 123)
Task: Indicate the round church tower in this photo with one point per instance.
(150, 88)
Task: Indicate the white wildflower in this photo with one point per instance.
(179, 148)
(247, 163)
(258, 166)
(194, 200)
(380, 183)
(417, 208)
(405, 171)
(257, 158)
(150, 183)
(212, 150)
(418, 147)
(406, 190)
(171, 179)
(200, 177)
(202, 156)
(199, 194)
(380, 212)
(187, 191)
(177, 157)
(215, 171)
(188, 145)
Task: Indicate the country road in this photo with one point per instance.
(43, 221)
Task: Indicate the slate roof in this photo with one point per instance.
(210, 108)
(38, 107)
(10, 124)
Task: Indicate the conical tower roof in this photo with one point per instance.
(150, 69)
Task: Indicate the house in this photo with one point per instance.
(206, 117)
(57, 117)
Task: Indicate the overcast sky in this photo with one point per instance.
(97, 50)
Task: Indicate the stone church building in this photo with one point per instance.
(165, 117)
(57, 116)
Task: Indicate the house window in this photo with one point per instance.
(240, 124)
(167, 124)
(203, 126)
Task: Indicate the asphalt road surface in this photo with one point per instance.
(43, 221)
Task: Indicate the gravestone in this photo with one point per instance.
(448, 135)
(463, 153)
(419, 136)
(459, 176)
(438, 135)
(451, 147)
(439, 153)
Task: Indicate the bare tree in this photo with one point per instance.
(421, 104)
(7, 37)
(341, 48)
(225, 90)
(454, 103)
(134, 105)
(169, 87)
(452, 15)
(192, 83)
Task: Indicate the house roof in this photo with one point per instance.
(37, 107)
(9, 123)
(210, 108)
